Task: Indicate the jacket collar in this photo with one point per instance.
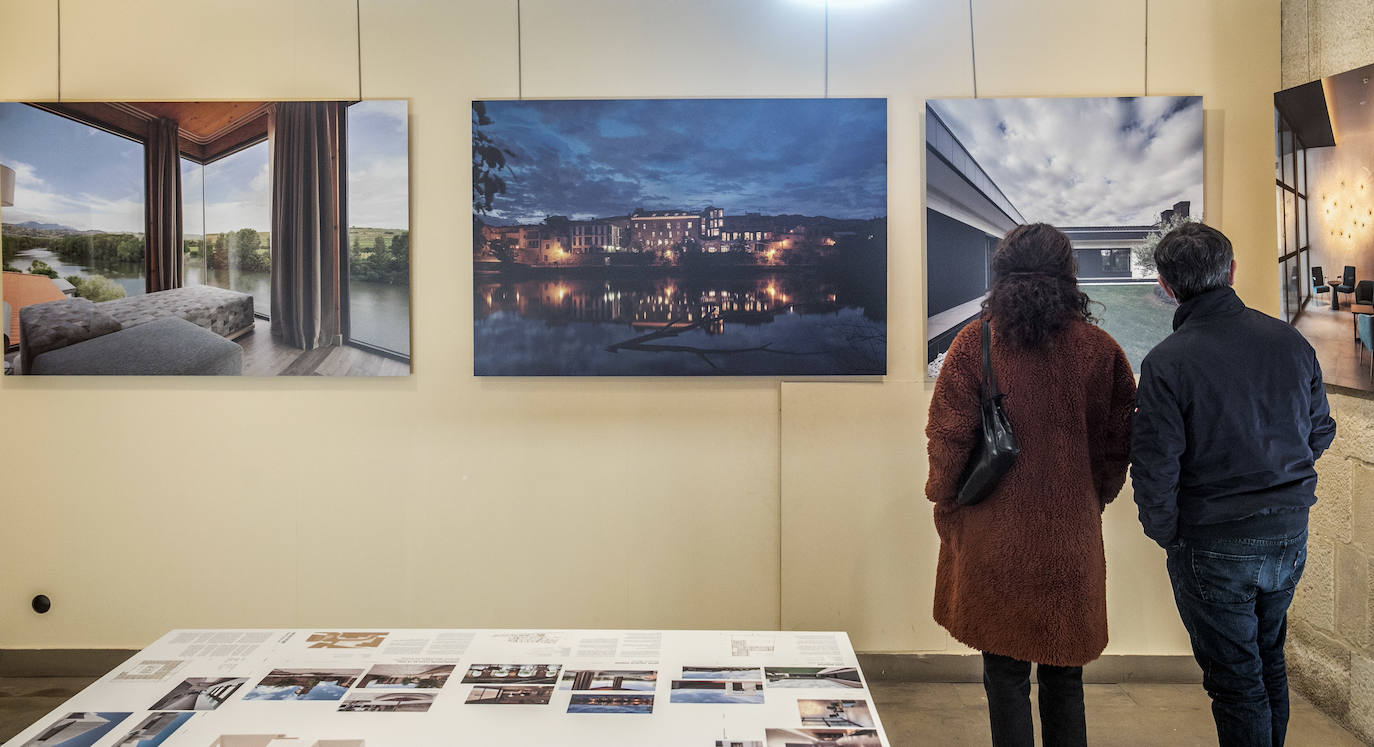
(1215, 302)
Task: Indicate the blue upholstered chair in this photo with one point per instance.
(1364, 323)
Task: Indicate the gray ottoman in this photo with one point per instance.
(164, 347)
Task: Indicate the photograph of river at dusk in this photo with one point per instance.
(736, 237)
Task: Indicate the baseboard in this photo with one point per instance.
(61, 662)
(1110, 669)
(886, 667)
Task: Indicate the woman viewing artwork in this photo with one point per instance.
(1022, 574)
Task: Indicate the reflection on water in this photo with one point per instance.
(129, 275)
(579, 324)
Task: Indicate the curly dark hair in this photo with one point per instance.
(1034, 286)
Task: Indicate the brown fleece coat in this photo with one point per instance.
(1023, 573)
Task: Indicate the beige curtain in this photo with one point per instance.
(309, 235)
(162, 221)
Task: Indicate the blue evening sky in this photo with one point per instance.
(82, 177)
(589, 159)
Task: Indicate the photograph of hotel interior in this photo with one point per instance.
(1324, 197)
(254, 238)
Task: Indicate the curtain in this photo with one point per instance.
(162, 221)
(309, 238)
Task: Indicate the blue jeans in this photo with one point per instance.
(1233, 596)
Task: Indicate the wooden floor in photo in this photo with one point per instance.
(264, 356)
(1344, 361)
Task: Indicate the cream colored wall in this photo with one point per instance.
(446, 500)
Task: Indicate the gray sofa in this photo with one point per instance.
(184, 331)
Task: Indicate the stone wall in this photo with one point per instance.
(1331, 625)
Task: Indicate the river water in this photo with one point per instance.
(670, 323)
(379, 313)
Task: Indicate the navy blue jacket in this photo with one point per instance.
(1230, 416)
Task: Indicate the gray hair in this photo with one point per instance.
(1193, 259)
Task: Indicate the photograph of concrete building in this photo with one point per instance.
(614, 680)
(611, 703)
(403, 702)
(736, 692)
(822, 738)
(304, 684)
(847, 713)
(510, 695)
(1113, 174)
(608, 240)
(721, 673)
(1324, 197)
(199, 694)
(815, 677)
(345, 640)
(407, 676)
(510, 674)
(154, 730)
(77, 730)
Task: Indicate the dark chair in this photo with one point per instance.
(1319, 285)
(1364, 292)
(1347, 283)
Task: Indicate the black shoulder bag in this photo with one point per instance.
(996, 449)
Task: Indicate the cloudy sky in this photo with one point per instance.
(1085, 162)
(589, 159)
(78, 176)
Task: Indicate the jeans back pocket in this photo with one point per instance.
(1226, 579)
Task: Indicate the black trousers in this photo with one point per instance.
(1062, 723)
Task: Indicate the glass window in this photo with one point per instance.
(1278, 146)
(1302, 170)
(379, 226)
(1290, 227)
(1287, 156)
(78, 203)
(238, 217)
(193, 253)
(1302, 223)
(1278, 210)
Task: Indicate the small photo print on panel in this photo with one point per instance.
(407, 676)
(154, 730)
(81, 729)
(383, 701)
(730, 692)
(510, 695)
(611, 680)
(611, 703)
(512, 674)
(814, 677)
(199, 694)
(304, 684)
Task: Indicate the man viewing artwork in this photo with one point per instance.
(1231, 417)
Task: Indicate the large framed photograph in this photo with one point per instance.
(241, 238)
(1114, 174)
(680, 237)
(1324, 201)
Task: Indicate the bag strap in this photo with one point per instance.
(990, 390)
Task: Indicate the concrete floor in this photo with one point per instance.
(913, 713)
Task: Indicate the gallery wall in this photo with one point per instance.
(443, 500)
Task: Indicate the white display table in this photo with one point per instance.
(515, 688)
